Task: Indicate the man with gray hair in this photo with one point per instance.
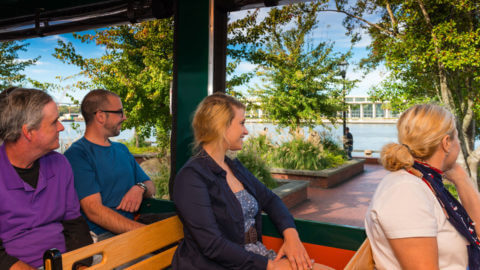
(109, 182)
(39, 208)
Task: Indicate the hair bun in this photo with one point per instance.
(396, 156)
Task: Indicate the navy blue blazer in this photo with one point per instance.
(213, 219)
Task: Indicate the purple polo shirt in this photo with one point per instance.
(30, 219)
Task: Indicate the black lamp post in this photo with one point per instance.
(343, 71)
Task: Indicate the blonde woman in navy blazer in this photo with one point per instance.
(205, 194)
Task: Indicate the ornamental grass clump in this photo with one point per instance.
(161, 179)
(298, 154)
(331, 145)
(255, 156)
(261, 146)
(158, 169)
(251, 159)
(302, 154)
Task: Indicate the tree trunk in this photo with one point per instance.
(468, 138)
(465, 126)
(137, 139)
(473, 160)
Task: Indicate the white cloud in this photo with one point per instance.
(233, 16)
(368, 81)
(253, 83)
(38, 63)
(21, 60)
(54, 38)
(244, 67)
(262, 13)
(364, 42)
(41, 63)
(39, 71)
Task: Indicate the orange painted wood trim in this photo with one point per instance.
(334, 257)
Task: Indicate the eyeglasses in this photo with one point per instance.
(116, 112)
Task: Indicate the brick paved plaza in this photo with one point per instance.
(343, 204)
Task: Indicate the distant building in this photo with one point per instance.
(360, 109)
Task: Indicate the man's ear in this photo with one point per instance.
(100, 117)
(26, 132)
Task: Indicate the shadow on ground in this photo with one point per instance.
(344, 204)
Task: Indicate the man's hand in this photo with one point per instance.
(132, 200)
(106, 217)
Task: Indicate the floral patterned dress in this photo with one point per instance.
(250, 208)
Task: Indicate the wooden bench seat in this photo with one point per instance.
(126, 247)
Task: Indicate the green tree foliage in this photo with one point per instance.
(302, 82)
(11, 66)
(137, 65)
(432, 50)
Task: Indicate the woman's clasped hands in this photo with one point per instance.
(296, 256)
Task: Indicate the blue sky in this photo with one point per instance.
(48, 68)
(329, 27)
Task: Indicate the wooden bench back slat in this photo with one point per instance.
(48, 264)
(363, 258)
(128, 246)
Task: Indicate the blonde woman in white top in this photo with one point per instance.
(413, 222)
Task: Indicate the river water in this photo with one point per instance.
(74, 131)
(365, 136)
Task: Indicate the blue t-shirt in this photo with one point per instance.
(108, 170)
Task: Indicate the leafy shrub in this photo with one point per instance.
(451, 188)
(158, 170)
(259, 154)
(301, 154)
(142, 149)
(257, 166)
(330, 159)
(161, 181)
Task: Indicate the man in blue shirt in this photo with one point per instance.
(109, 182)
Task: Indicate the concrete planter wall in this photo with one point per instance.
(143, 157)
(292, 192)
(324, 178)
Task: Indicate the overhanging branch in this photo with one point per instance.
(391, 33)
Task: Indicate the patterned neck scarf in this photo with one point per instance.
(456, 214)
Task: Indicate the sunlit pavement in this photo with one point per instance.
(344, 204)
